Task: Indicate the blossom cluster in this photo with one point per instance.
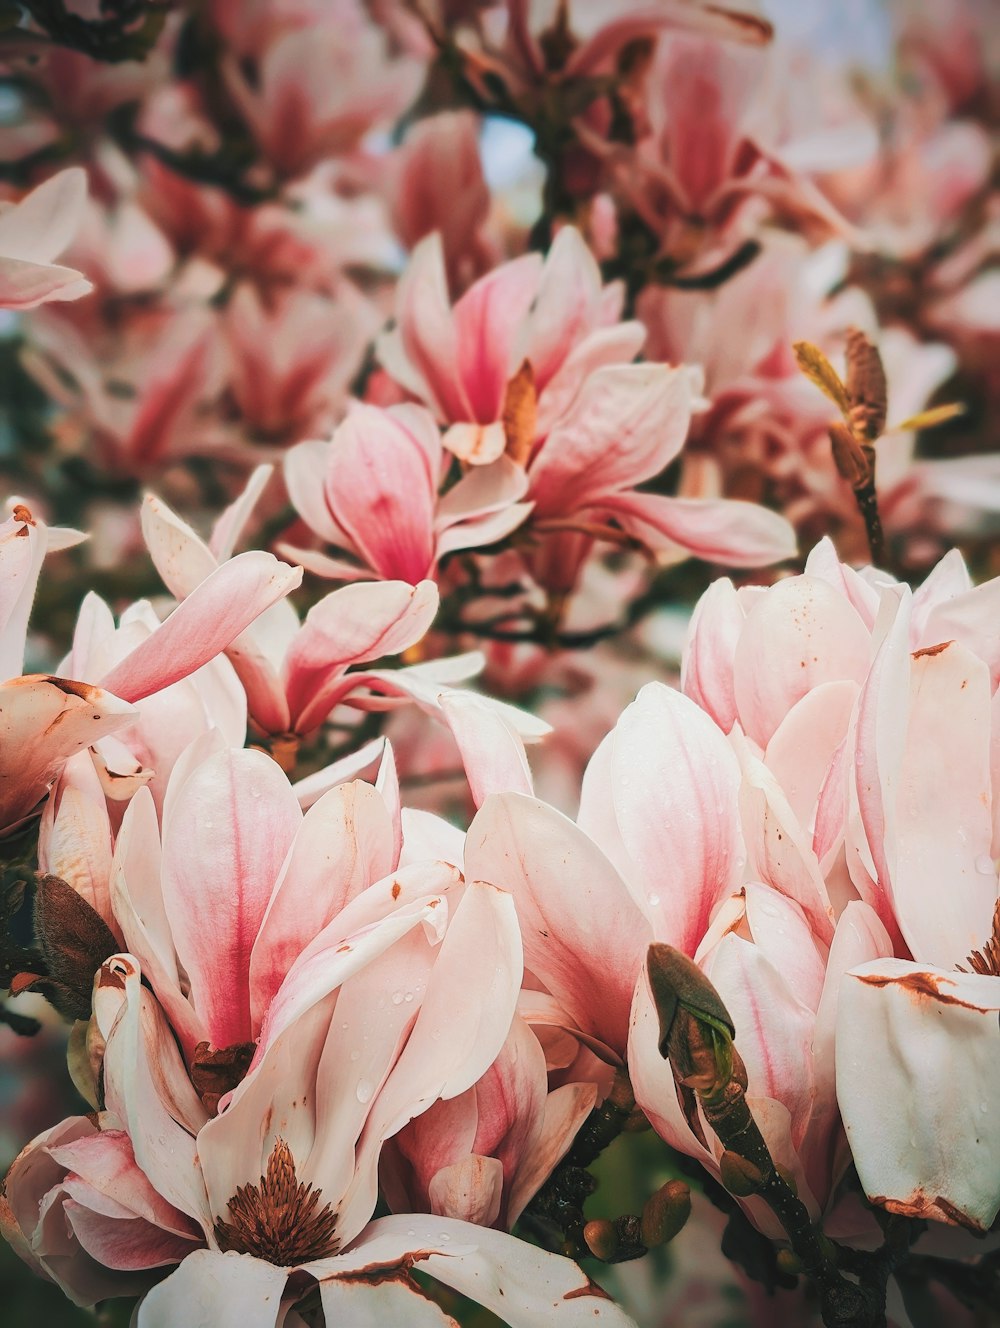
(526, 677)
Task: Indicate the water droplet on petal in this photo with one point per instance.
(397, 998)
(364, 1090)
(985, 865)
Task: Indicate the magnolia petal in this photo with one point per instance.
(213, 1290)
(584, 937)
(491, 749)
(719, 530)
(707, 663)
(918, 1077)
(211, 617)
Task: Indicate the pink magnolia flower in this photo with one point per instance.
(372, 1000)
(321, 88)
(290, 361)
(459, 360)
(436, 183)
(482, 1156)
(926, 851)
(48, 719)
(713, 166)
(373, 492)
(296, 673)
(33, 233)
(667, 826)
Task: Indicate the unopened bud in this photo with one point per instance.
(601, 1238)
(665, 1213)
(696, 1030)
(739, 1176)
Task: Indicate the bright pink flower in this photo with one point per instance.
(373, 491)
(458, 360)
(33, 233)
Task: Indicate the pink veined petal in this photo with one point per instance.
(223, 848)
(773, 1029)
(426, 331)
(969, 618)
(305, 473)
(945, 882)
(387, 786)
(618, 344)
(384, 489)
(584, 937)
(470, 1190)
(780, 930)
(880, 737)
(707, 663)
(26, 285)
(722, 530)
(674, 16)
(481, 532)
(343, 844)
(211, 617)
(491, 749)
(229, 527)
(482, 491)
(125, 1244)
(675, 784)
(824, 564)
(933, 1153)
(566, 307)
(353, 766)
(352, 626)
(487, 319)
(627, 422)
(526, 1286)
(565, 1110)
(798, 635)
(213, 1290)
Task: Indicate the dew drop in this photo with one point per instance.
(355, 1055)
(397, 998)
(985, 865)
(653, 900)
(408, 997)
(364, 1090)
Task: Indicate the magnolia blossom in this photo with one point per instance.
(555, 316)
(327, 1004)
(854, 694)
(373, 492)
(48, 719)
(33, 233)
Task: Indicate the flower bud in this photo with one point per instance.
(601, 1238)
(665, 1213)
(739, 1176)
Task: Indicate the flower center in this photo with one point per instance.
(279, 1219)
(987, 960)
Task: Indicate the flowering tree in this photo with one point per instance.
(499, 658)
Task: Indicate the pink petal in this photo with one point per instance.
(707, 665)
(803, 745)
(343, 845)
(675, 784)
(22, 549)
(212, 1290)
(491, 749)
(202, 626)
(798, 635)
(626, 424)
(487, 319)
(42, 225)
(229, 830)
(584, 937)
(567, 305)
(723, 530)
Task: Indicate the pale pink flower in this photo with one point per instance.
(48, 719)
(373, 492)
(33, 233)
(320, 89)
(483, 1155)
